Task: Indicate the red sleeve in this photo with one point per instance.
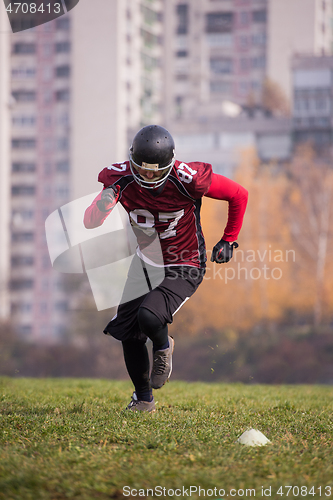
(93, 217)
(223, 188)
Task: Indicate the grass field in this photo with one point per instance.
(69, 438)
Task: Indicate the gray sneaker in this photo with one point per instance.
(136, 405)
(162, 366)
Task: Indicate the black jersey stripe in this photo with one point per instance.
(123, 182)
(199, 234)
(180, 186)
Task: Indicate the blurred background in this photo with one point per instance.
(245, 85)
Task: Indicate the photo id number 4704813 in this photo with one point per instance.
(34, 8)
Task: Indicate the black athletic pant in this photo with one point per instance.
(149, 316)
(136, 354)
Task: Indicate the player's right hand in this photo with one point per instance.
(109, 198)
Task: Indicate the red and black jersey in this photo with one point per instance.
(174, 210)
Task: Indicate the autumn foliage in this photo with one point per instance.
(282, 268)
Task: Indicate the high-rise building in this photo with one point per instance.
(296, 27)
(4, 163)
(71, 92)
(116, 82)
(313, 94)
(219, 50)
(40, 85)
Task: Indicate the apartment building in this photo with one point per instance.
(73, 90)
(219, 50)
(313, 97)
(296, 27)
(4, 164)
(215, 50)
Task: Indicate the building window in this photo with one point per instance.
(62, 95)
(62, 71)
(62, 47)
(25, 329)
(24, 121)
(62, 191)
(62, 144)
(22, 260)
(63, 166)
(219, 22)
(179, 106)
(63, 23)
(149, 62)
(21, 284)
(259, 16)
(24, 95)
(61, 306)
(259, 62)
(23, 190)
(149, 39)
(21, 307)
(23, 167)
(182, 12)
(181, 77)
(149, 15)
(63, 119)
(24, 48)
(22, 237)
(23, 143)
(220, 40)
(23, 215)
(23, 72)
(259, 39)
(322, 104)
(23, 24)
(220, 87)
(221, 65)
(182, 53)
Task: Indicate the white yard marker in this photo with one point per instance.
(253, 437)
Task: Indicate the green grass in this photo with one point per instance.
(69, 438)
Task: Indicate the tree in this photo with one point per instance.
(308, 209)
(273, 98)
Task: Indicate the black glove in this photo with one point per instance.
(222, 251)
(109, 198)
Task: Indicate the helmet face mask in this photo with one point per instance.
(152, 156)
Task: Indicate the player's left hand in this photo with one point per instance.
(222, 251)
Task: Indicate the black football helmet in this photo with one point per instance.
(152, 156)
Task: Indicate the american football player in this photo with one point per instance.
(164, 194)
